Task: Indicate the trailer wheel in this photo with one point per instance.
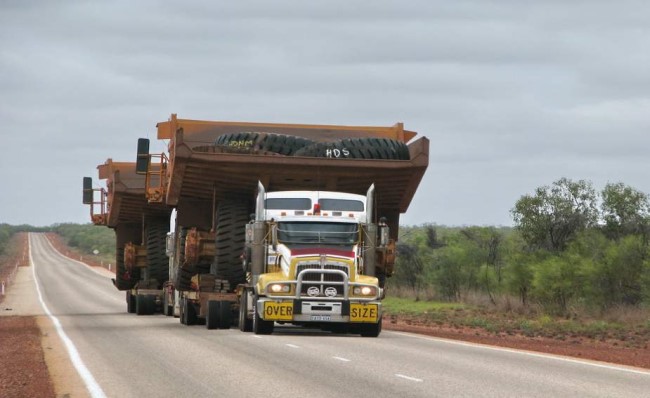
(157, 261)
(145, 304)
(260, 326)
(245, 324)
(213, 315)
(225, 314)
(371, 329)
(230, 237)
(188, 313)
(130, 302)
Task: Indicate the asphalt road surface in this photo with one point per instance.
(156, 356)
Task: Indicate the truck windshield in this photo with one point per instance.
(321, 233)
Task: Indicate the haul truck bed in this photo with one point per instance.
(140, 231)
(125, 189)
(197, 170)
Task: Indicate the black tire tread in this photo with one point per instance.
(157, 260)
(232, 216)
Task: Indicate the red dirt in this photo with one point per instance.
(579, 347)
(23, 369)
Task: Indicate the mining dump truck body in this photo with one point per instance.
(140, 230)
(200, 172)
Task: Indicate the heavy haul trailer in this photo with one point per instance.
(141, 266)
(211, 176)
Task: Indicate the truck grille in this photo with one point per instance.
(313, 278)
(302, 267)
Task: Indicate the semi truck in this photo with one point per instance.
(220, 177)
(141, 266)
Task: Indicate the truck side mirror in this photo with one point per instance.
(142, 162)
(88, 191)
(384, 232)
(384, 235)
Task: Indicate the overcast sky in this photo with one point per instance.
(512, 94)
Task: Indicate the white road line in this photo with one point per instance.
(257, 337)
(409, 378)
(341, 359)
(604, 365)
(91, 384)
(292, 345)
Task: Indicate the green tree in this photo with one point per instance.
(488, 242)
(615, 277)
(556, 281)
(553, 216)
(625, 210)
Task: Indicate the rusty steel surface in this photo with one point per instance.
(194, 174)
(199, 247)
(126, 194)
(202, 132)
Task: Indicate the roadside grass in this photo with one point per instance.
(626, 330)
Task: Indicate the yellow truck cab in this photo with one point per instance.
(313, 262)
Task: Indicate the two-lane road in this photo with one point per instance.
(156, 356)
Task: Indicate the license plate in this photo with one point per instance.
(321, 318)
(278, 311)
(360, 312)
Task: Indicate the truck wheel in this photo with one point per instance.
(157, 260)
(232, 216)
(145, 304)
(130, 302)
(245, 324)
(260, 326)
(181, 312)
(182, 277)
(213, 315)
(188, 313)
(371, 329)
(225, 314)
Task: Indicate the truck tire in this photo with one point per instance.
(371, 329)
(181, 313)
(260, 326)
(188, 313)
(225, 314)
(145, 304)
(232, 216)
(157, 260)
(182, 277)
(245, 324)
(265, 142)
(358, 148)
(213, 314)
(124, 280)
(130, 302)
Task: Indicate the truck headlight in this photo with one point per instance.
(278, 288)
(365, 291)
